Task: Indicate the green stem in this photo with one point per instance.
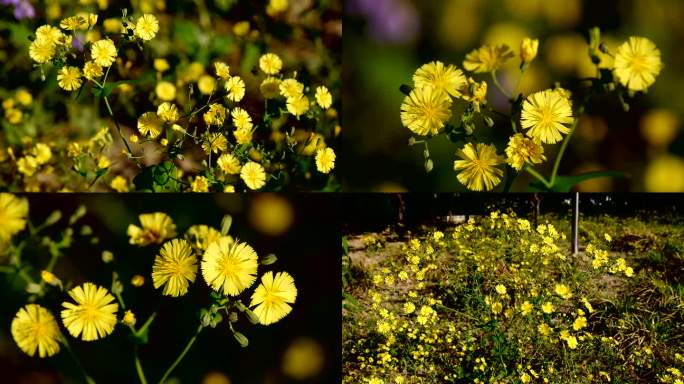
(88, 379)
(538, 176)
(561, 151)
(180, 357)
(139, 368)
(118, 127)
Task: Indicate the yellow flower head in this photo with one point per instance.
(291, 88)
(521, 149)
(215, 115)
(425, 111)
(229, 267)
(243, 136)
(161, 65)
(149, 124)
(50, 34)
(323, 97)
(563, 291)
(298, 105)
(253, 174)
(147, 27)
(276, 6)
(69, 78)
(27, 165)
(487, 58)
(270, 63)
(175, 268)
(91, 70)
(478, 166)
(545, 115)
(201, 236)
(270, 87)
(165, 91)
(229, 164)
(528, 50)
(215, 142)
(34, 328)
(579, 323)
(222, 70)
(129, 318)
(13, 215)
(119, 184)
(73, 23)
(448, 79)
(156, 227)
(41, 51)
(94, 314)
(241, 119)
(168, 112)
(241, 28)
(547, 307)
(325, 160)
(500, 289)
(235, 88)
(273, 297)
(103, 52)
(206, 84)
(637, 63)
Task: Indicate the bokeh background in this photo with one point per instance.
(304, 347)
(386, 40)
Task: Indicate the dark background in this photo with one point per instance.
(309, 250)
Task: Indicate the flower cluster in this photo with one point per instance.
(544, 117)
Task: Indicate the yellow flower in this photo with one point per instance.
(222, 70)
(165, 91)
(572, 342)
(545, 114)
(24, 97)
(113, 25)
(229, 267)
(448, 79)
(156, 227)
(14, 116)
(526, 308)
(175, 268)
(243, 136)
(229, 164)
(94, 314)
(41, 51)
(253, 174)
(91, 70)
(500, 289)
(270, 63)
(544, 329)
(241, 119)
(147, 27)
(201, 236)
(119, 184)
(200, 184)
(276, 6)
(497, 307)
(137, 281)
(69, 78)
(425, 111)
(34, 328)
(161, 65)
(273, 297)
(298, 105)
(637, 63)
(665, 173)
(521, 149)
(547, 307)
(27, 165)
(73, 23)
(13, 215)
(528, 50)
(129, 318)
(291, 88)
(216, 115)
(168, 112)
(323, 97)
(206, 84)
(235, 88)
(270, 87)
(563, 291)
(49, 34)
(325, 160)
(149, 124)
(42, 153)
(241, 28)
(103, 52)
(478, 167)
(579, 323)
(487, 58)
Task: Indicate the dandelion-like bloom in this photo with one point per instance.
(323, 97)
(478, 167)
(215, 142)
(147, 27)
(228, 266)
(243, 136)
(201, 236)
(563, 291)
(222, 70)
(487, 58)
(521, 149)
(235, 88)
(545, 114)
(156, 227)
(325, 160)
(119, 184)
(175, 268)
(13, 213)
(103, 52)
(69, 78)
(41, 51)
(206, 84)
(637, 63)
(49, 34)
(270, 63)
(94, 314)
(216, 115)
(298, 105)
(241, 119)
(229, 164)
(253, 174)
(91, 70)
(73, 23)
(149, 124)
(168, 112)
(200, 184)
(270, 88)
(425, 111)
(34, 328)
(291, 88)
(165, 91)
(448, 79)
(273, 297)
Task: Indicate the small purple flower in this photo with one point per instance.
(22, 8)
(78, 41)
(394, 21)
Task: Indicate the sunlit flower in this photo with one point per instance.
(155, 228)
(94, 314)
(73, 23)
(41, 51)
(222, 70)
(325, 160)
(13, 215)
(235, 88)
(129, 318)
(445, 78)
(637, 63)
(425, 111)
(528, 50)
(291, 88)
(487, 58)
(270, 63)
(201, 236)
(69, 78)
(521, 149)
(241, 119)
(215, 142)
(175, 268)
(229, 267)
(273, 297)
(547, 307)
(215, 115)
(147, 27)
(200, 184)
(149, 124)
(50, 34)
(168, 112)
(35, 329)
(545, 115)
(298, 105)
(92, 71)
(563, 291)
(229, 164)
(253, 174)
(206, 84)
(165, 91)
(323, 97)
(478, 167)
(103, 52)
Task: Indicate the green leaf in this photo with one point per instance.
(157, 178)
(108, 88)
(345, 245)
(565, 183)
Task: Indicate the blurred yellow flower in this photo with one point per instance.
(147, 27)
(637, 63)
(241, 28)
(94, 314)
(545, 114)
(298, 105)
(13, 215)
(478, 167)
(216, 115)
(487, 58)
(206, 84)
(165, 91)
(174, 268)
(303, 359)
(325, 160)
(73, 23)
(35, 329)
(665, 173)
(229, 267)
(425, 111)
(659, 127)
(270, 87)
(323, 97)
(155, 228)
(563, 291)
(273, 297)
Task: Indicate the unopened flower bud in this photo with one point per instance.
(528, 50)
(129, 318)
